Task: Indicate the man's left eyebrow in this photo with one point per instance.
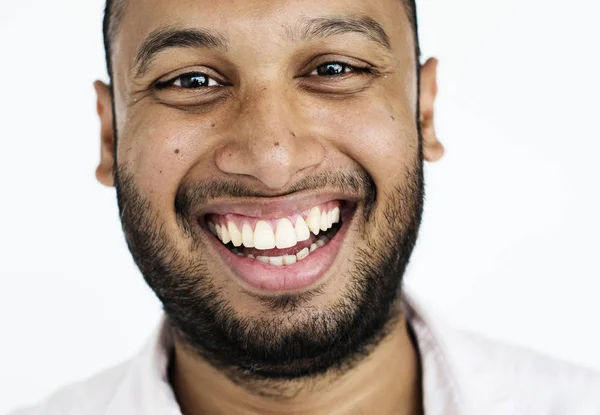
(330, 26)
(166, 38)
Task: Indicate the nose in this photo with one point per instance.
(270, 141)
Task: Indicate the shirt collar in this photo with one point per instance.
(441, 393)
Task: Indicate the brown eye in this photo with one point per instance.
(194, 80)
(332, 69)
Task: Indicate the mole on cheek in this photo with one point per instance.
(176, 151)
(277, 144)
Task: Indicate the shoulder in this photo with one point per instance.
(139, 385)
(497, 375)
(88, 397)
(491, 377)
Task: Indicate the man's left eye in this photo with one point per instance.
(332, 69)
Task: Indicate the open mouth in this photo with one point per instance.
(281, 241)
(284, 251)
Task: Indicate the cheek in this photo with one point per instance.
(160, 149)
(381, 137)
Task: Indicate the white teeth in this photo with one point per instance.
(289, 259)
(285, 235)
(336, 215)
(279, 261)
(313, 221)
(225, 238)
(263, 236)
(276, 261)
(324, 222)
(247, 236)
(331, 218)
(302, 254)
(235, 234)
(302, 231)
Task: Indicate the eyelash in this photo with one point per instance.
(351, 68)
(347, 68)
(171, 82)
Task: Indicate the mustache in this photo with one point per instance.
(356, 182)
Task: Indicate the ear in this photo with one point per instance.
(433, 150)
(104, 171)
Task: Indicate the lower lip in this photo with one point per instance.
(301, 276)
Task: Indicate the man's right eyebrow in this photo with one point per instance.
(166, 38)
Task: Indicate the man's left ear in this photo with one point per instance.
(433, 150)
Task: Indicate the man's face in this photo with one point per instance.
(269, 172)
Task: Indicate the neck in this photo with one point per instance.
(385, 382)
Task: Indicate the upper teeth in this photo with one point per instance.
(247, 236)
(281, 233)
(234, 234)
(313, 221)
(285, 235)
(263, 236)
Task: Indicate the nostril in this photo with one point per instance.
(274, 157)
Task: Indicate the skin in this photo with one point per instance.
(272, 127)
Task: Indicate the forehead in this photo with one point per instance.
(153, 11)
(252, 21)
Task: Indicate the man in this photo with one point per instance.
(267, 157)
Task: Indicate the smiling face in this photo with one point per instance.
(269, 172)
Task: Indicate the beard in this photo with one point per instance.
(290, 340)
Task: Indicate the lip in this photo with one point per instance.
(272, 208)
(301, 276)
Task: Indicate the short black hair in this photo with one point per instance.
(114, 10)
(113, 14)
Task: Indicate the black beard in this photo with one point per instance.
(291, 342)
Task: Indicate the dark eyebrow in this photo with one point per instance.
(330, 26)
(166, 38)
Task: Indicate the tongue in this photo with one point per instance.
(279, 252)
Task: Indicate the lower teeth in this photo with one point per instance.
(286, 259)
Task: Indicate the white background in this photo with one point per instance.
(510, 240)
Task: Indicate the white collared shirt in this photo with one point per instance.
(463, 374)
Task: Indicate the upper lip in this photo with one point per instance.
(273, 207)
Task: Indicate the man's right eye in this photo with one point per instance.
(193, 80)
